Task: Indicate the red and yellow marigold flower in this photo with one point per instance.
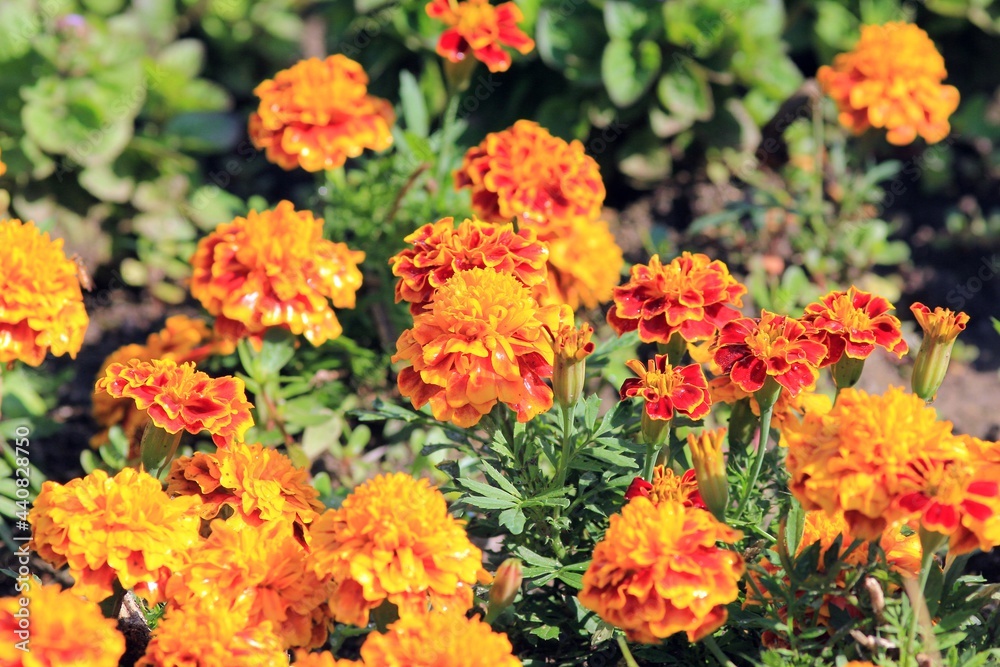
(438, 640)
(41, 305)
(179, 398)
(941, 327)
(258, 484)
(393, 539)
(854, 323)
(668, 487)
(585, 263)
(658, 571)
(691, 295)
(63, 630)
(482, 340)
(318, 113)
(478, 27)
(892, 79)
(439, 251)
(750, 350)
(275, 269)
(263, 571)
(525, 173)
(123, 527)
(668, 390)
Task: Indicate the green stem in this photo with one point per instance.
(444, 156)
(564, 456)
(751, 481)
(710, 644)
(650, 462)
(929, 546)
(626, 653)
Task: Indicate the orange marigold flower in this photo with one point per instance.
(177, 397)
(438, 640)
(41, 305)
(439, 251)
(181, 339)
(941, 328)
(318, 113)
(482, 28)
(65, 630)
(393, 539)
(275, 269)
(667, 487)
(691, 295)
(122, 527)
(864, 455)
(259, 484)
(658, 571)
(481, 340)
(892, 79)
(526, 173)
(668, 389)
(585, 263)
(750, 350)
(854, 323)
(263, 570)
(321, 659)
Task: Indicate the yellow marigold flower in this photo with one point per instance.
(481, 341)
(440, 250)
(64, 631)
(393, 539)
(122, 527)
(585, 263)
(41, 305)
(478, 27)
(892, 79)
(438, 640)
(262, 570)
(318, 113)
(206, 636)
(275, 269)
(321, 659)
(526, 173)
(941, 327)
(177, 397)
(181, 339)
(658, 571)
(259, 484)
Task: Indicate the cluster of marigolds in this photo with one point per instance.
(253, 567)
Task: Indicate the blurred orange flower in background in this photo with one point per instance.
(438, 640)
(585, 264)
(892, 79)
(481, 341)
(275, 269)
(41, 304)
(177, 397)
(902, 552)
(482, 28)
(318, 113)
(854, 323)
(122, 527)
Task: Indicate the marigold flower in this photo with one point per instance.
(321, 659)
(941, 327)
(667, 487)
(259, 484)
(318, 113)
(41, 305)
(585, 263)
(393, 539)
(65, 631)
(692, 295)
(122, 527)
(275, 269)
(658, 571)
(482, 28)
(526, 173)
(668, 389)
(179, 398)
(439, 251)
(571, 346)
(750, 350)
(854, 323)
(892, 79)
(481, 340)
(438, 640)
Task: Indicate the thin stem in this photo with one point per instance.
(272, 419)
(626, 653)
(650, 462)
(564, 456)
(751, 482)
(398, 201)
(710, 644)
(926, 560)
(1, 392)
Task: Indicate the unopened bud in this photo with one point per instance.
(710, 470)
(506, 585)
(571, 346)
(941, 327)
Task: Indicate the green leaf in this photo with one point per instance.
(567, 44)
(571, 579)
(536, 559)
(546, 632)
(488, 503)
(497, 477)
(684, 91)
(414, 105)
(836, 25)
(610, 457)
(628, 72)
(622, 18)
(513, 519)
(487, 490)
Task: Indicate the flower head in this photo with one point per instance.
(941, 327)
(854, 323)
(41, 305)
(318, 113)
(691, 295)
(750, 350)
(481, 341)
(667, 487)
(393, 539)
(275, 269)
(65, 630)
(892, 79)
(122, 527)
(658, 571)
(668, 389)
(438, 640)
(259, 484)
(179, 398)
(585, 263)
(570, 346)
(439, 251)
(482, 28)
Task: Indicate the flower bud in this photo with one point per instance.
(710, 470)
(506, 585)
(941, 327)
(571, 346)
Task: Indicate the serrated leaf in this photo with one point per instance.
(484, 489)
(613, 458)
(497, 477)
(546, 632)
(488, 503)
(537, 559)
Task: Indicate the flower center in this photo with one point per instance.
(477, 22)
(845, 313)
(481, 302)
